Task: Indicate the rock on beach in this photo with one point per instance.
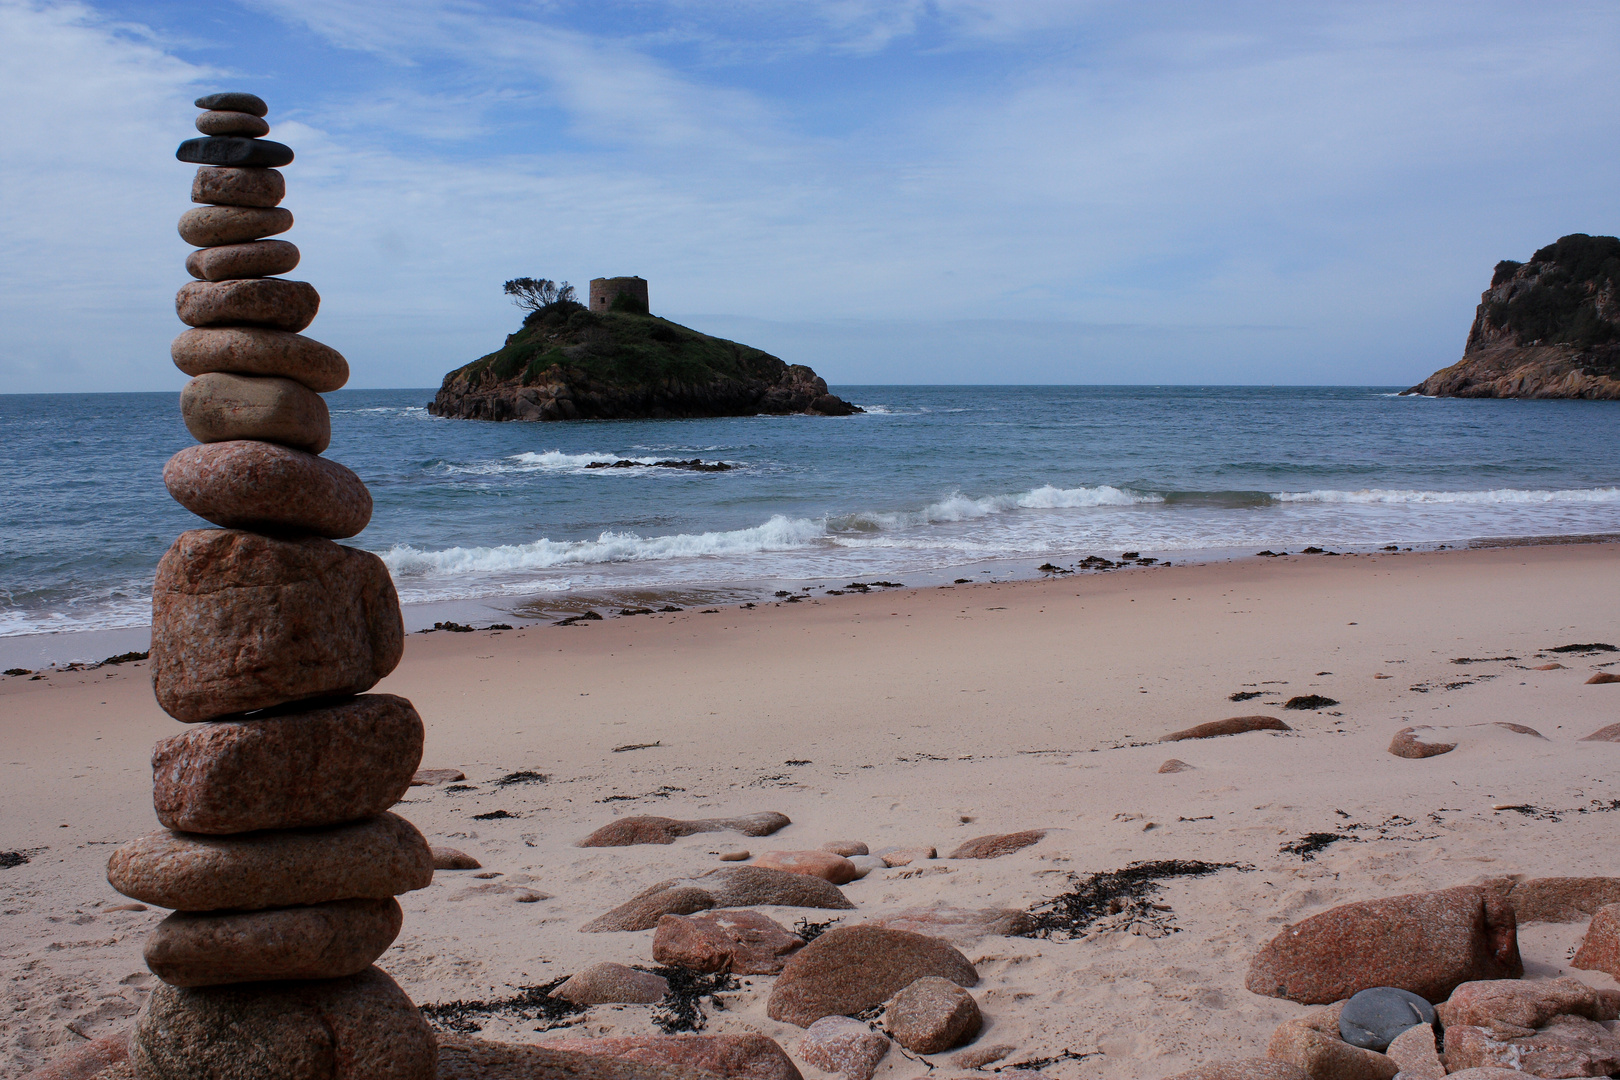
(1557, 899)
(256, 258)
(273, 302)
(1600, 948)
(374, 859)
(1312, 1043)
(609, 983)
(741, 942)
(1235, 725)
(821, 864)
(219, 408)
(738, 1057)
(247, 484)
(932, 1015)
(997, 845)
(256, 350)
(213, 226)
(260, 188)
(1406, 744)
(318, 941)
(646, 829)
(362, 1027)
(292, 768)
(958, 924)
(850, 969)
(1426, 943)
(840, 1045)
(338, 628)
(728, 887)
(1518, 1006)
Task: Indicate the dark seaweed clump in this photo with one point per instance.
(811, 930)
(1244, 695)
(1307, 846)
(8, 859)
(682, 1008)
(1595, 646)
(1113, 892)
(529, 1003)
(1309, 701)
(523, 776)
(1040, 1063)
(493, 815)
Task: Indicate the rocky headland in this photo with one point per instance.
(1548, 328)
(571, 363)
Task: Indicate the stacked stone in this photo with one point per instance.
(279, 856)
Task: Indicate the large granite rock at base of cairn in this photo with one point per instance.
(359, 1028)
(242, 621)
(283, 862)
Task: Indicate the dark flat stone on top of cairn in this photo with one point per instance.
(234, 101)
(234, 150)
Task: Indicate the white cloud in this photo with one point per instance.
(1330, 185)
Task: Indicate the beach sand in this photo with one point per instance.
(924, 717)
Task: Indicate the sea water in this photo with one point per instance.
(930, 482)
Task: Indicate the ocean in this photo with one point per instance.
(932, 483)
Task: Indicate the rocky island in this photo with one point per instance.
(1548, 328)
(614, 361)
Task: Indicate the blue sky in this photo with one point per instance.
(888, 190)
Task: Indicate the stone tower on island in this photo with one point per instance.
(278, 855)
(628, 293)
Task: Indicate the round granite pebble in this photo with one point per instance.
(1372, 1018)
(273, 302)
(223, 122)
(211, 226)
(238, 187)
(257, 258)
(218, 408)
(246, 484)
(234, 101)
(234, 150)
(318, 941)
(255, 350)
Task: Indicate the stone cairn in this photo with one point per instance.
(278, 856)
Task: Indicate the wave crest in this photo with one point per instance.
(1499, 496)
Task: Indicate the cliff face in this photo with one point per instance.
(568, 363)
(1548, 328)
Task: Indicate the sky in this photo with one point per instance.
(892, 191)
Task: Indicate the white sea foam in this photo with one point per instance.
(1497, 496)
(778, 534)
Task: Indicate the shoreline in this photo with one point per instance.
(91, 647)
(923, 716)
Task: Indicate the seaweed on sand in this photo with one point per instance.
(811, 930)
(529, 1003)
(1127, 892)
(522, 776)
(682, 1008)
(1307, 846)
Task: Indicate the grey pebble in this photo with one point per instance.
(1372, 1018)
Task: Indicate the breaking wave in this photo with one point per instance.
(1497, 496)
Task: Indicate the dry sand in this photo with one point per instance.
(923, 718)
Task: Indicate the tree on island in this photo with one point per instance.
(537, 294)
